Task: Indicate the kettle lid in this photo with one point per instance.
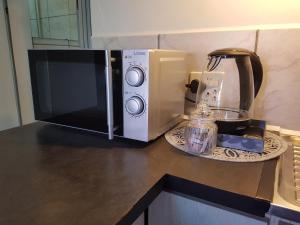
(231, 52)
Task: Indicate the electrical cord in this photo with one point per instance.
(217, 60)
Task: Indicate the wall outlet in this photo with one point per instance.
(194, 75)
(210, 86)
(210, 96)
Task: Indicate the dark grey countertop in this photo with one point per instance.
(57, 175)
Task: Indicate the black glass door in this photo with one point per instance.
(69, 87)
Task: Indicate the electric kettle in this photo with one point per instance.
(230, 80)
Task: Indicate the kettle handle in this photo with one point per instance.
(257, 71)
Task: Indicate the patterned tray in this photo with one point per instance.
(274, 146)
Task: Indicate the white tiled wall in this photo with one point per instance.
(125, 42)
(279, 99)
(201, 43)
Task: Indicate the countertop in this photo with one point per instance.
(58, 175)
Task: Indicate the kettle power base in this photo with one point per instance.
(274, 146)
(251, 140)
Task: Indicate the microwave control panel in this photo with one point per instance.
(135, 93)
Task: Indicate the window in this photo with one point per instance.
(61, 23)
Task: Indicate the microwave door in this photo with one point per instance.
(109, 94)
(69, 88)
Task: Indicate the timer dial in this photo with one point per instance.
(135, 105)
(135, 76)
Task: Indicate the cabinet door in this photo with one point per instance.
(139, 220)
(176, 210)
(274, 220)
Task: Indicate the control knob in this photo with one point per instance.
(134, 105)
(134, 76)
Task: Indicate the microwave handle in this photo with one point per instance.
(109, 94)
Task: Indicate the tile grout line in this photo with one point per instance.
(256, 40)
(158, 41)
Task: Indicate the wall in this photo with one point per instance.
(143, 17)
(114, 27)
(8, 110)
(21, 41)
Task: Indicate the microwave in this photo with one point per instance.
(136, 94)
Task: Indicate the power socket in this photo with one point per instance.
(210, 96)
(210, 86)
(195, 75)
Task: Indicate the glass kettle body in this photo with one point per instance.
(230, 81)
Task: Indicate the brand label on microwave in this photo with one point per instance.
(139, 53)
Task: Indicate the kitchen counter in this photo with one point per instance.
(58, 175)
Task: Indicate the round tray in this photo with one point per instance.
(273, 147)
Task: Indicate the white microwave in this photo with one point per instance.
(136, 94)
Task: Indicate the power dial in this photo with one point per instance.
(135, 105)
(134, 76)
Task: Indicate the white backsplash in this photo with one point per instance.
(201, 43)
(279, 99)
(125, 42)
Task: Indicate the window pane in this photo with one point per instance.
(54, 22)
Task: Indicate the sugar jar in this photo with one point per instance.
(201, 132)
